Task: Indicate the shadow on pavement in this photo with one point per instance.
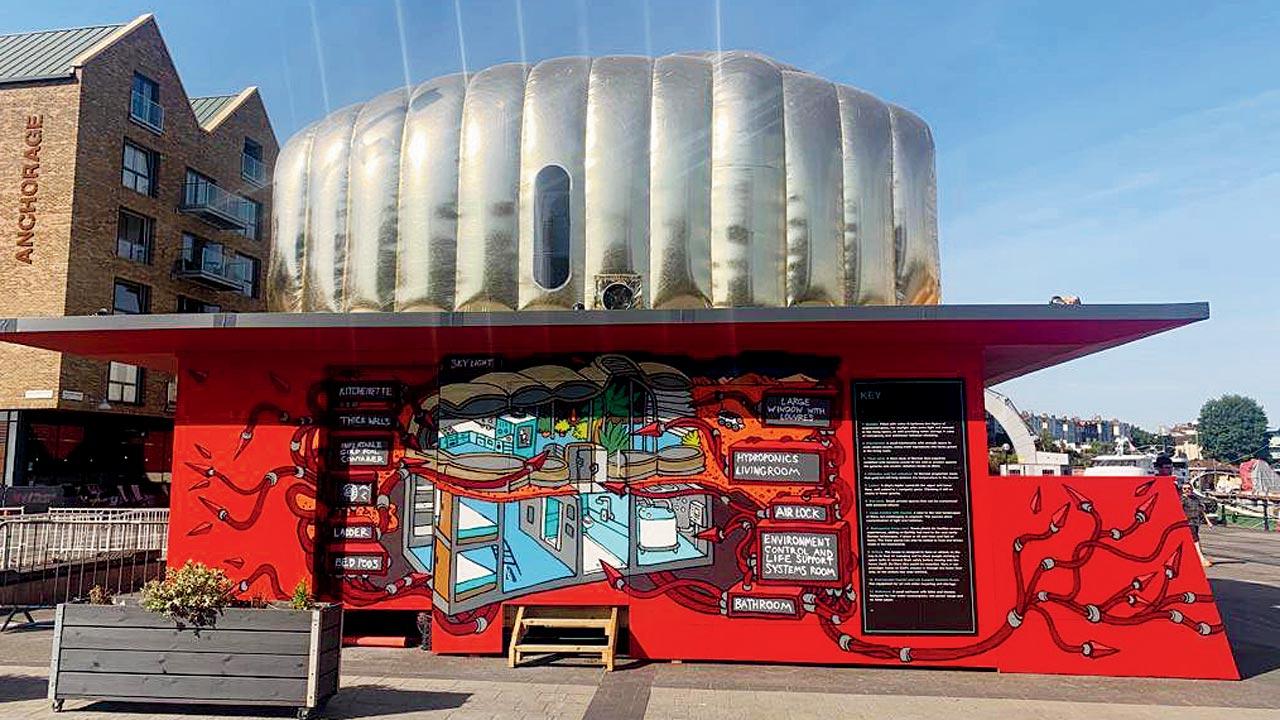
(1253, 623)
(356, 701)
(22, 687)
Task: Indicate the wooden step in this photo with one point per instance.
(604, 619)
(601, 623)
(545, 648)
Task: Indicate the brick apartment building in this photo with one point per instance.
(118, 194)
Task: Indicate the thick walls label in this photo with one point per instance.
(913, 507)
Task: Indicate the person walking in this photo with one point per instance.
(1192, 507)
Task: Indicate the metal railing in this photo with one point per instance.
(1247, 511)
(64, 535)
(213, 203)
(253, 169)
(98, 514)
(61, 555)
(146, 111)
(6, 512)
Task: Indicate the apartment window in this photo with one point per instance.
(551, 227)
(124, 383)
(140, 169)
(199, 189)
(192, 305)
(250, 212)
(134, 237)
(144, 102)
(244, 268)
(131, 298)
(251, 166)
(200, 254)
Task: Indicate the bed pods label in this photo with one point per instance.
(913, 507)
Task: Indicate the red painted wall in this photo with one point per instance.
(253, 494)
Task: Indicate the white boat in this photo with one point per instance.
(1135, 465)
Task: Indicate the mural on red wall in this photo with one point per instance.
(710, 494)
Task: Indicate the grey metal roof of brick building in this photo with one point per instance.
(206, 108)
(47, 54)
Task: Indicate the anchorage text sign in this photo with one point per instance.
(913, 507)
(29, 188)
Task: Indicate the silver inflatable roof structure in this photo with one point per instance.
(686, 181)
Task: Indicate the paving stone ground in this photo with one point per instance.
(381, 683)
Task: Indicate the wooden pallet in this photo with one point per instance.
(604, 619)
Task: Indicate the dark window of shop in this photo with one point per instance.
(139, 169)
(250, 213)
(244, 268)
(124, 383)
(131, 298)
(144, 102)
(192, 305)
(96, 459)
(551, 227)
(252, 168)
(134, 237)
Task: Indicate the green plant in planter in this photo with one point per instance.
(301, 599)
(98, 595)
(193, 594)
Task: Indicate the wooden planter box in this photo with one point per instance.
(249, 657)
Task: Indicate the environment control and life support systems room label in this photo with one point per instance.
(797, 556)
(914, 525)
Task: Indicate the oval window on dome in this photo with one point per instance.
(551, 227)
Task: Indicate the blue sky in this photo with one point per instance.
(1123, 152)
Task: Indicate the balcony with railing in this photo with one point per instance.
(146, 111)
(210, 266)
(213, 204)
(253, 170)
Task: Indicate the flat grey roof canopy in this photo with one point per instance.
(1016, 339)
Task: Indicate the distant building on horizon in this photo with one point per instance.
(1186, 440)
(1076, 432)
(122, 195)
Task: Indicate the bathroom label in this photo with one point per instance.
(763, 606)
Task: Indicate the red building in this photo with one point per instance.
(804, 485)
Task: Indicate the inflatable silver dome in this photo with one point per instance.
(692, 180)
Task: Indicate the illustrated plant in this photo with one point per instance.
(193, 594)
(615, 436)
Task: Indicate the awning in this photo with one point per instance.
(1014, 339)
